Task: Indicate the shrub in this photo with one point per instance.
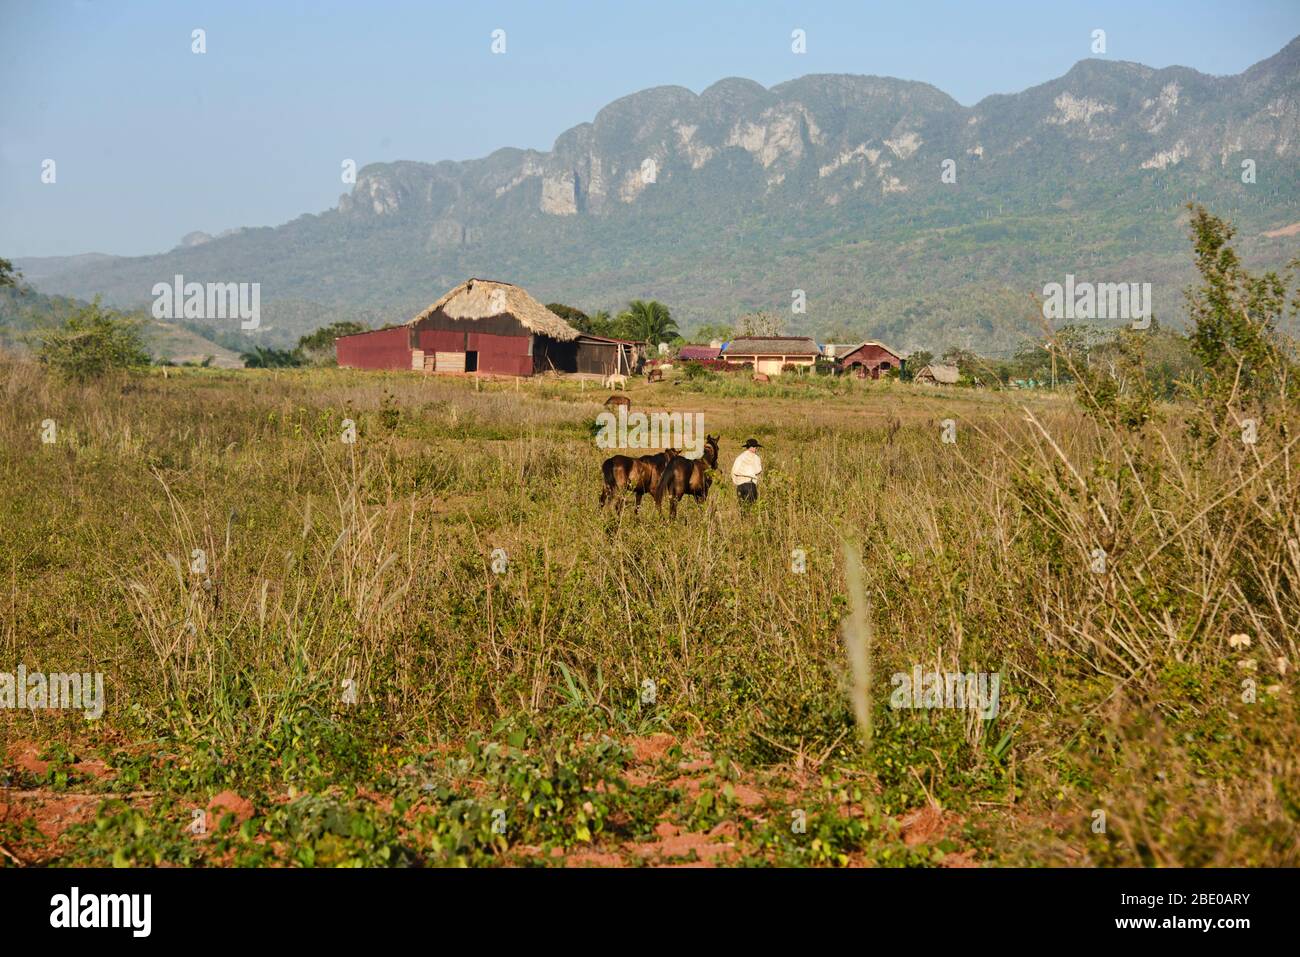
(93, 342)
(317, 348)
(263, 358)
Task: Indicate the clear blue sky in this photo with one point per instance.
(152, 141)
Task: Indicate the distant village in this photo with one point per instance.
(488, 327)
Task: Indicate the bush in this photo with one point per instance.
(93, 342)
(717, 365)
(317, 348)
(262, 357)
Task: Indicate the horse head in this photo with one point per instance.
(711, 451)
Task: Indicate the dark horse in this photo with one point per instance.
(688, 477)
(641, 475)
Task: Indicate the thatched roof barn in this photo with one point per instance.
(479, 299)
(485, 326)
(936, 374)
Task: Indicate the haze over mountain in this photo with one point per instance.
(727, 201)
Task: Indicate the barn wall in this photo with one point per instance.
(503, 355)
(872, 358)
(381, 349)
(600, 358)
(502, 343)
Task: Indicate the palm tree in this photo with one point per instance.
(263, 358)
(649, 321)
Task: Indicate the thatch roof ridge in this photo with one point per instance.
(482, 298)
(754, 345)
(944, 374)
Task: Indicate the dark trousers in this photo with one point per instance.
(747, 493)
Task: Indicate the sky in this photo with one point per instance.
(151, 140)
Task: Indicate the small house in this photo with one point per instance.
(771, 354)
(869, 359)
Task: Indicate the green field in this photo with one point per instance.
(311, 656)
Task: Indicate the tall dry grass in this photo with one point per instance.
(372, 564)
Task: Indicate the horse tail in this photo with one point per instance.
(609, 485)
(666, 474)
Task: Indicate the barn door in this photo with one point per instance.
(449, 362)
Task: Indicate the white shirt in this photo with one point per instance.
(747, 467)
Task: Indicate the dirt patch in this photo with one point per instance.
(652, 749)
(699, 848)
(23, 755)
(922, 826)
(959, 859)
(228, 802)
(1292, 230)
(747, 796)
(593, 859)
(52, 813)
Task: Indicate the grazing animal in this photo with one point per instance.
(654, 375)
(614, 401)
(761, 377)
(616, 380)
(684, 476)
(641, 475)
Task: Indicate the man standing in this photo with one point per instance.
(745, 472)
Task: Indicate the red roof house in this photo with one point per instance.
(870, 359)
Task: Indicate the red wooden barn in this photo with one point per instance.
(485, 326)
(870, 359)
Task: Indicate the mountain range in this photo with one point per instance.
(899, 214)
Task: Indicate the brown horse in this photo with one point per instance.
(641, 475)
(614, 401)
(688, 477)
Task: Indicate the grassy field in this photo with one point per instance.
(311, 655)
